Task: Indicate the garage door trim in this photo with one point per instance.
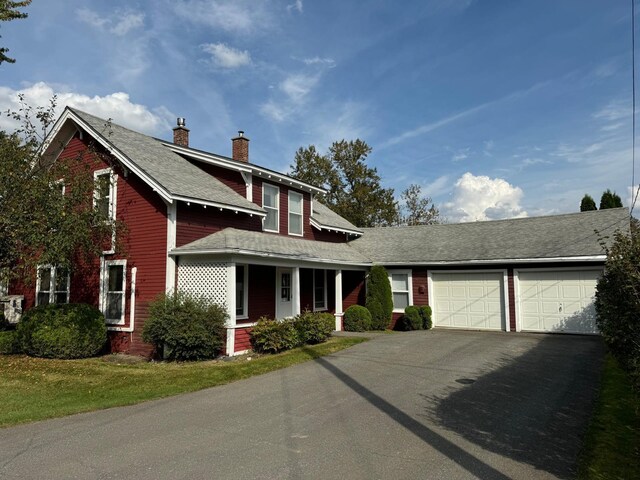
(516, 283)
(505, 290)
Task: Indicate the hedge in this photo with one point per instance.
(273, 336)
(357, 319)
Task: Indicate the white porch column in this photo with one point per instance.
(295, 290)
(338, 300)
(231, 307)
(170, 279)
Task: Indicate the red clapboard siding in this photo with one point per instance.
(306, 289)
(262, 292)
(353, 288)
(419, 277)
(243, 340)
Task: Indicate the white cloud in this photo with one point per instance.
(236, 16)
(439, 186)
(613, 111)
(612, 126)
(296, 5)
(327, 62)
(227, 57)
(633, 193)
(119, 23)
(478, 198)
(274, 111)
(117, 106)
(298, 86)
(460, 154)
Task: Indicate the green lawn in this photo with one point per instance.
(34, 389)
(612, 446)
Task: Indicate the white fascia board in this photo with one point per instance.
(221, 206)
(586, 258)
(253, 257)
(122, 158)
(314, 223)
(220, 161)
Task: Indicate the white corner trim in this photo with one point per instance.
(172, 218)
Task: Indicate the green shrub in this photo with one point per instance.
(412, 318)
(357, 319)
(314, 328)
(379, 300)
(273, 336)
(425, 313)
(184, 327)
(9, 342)
(4, 323)
(62, 331)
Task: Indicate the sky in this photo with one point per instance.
(496, 108)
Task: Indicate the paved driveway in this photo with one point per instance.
(429, 405)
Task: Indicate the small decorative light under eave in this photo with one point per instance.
(188, 204)
(204, 206)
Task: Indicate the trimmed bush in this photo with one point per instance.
(313, 327)
(272, 336)
(425, 313)
(412, 318)
(62, 331)
(184, 327)
(379, 301)
(9, 342)
(357, 319)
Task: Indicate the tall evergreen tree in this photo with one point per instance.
(587, 203)
(610, 199)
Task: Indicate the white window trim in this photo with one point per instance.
(407, 272)
(52, 285)
(104, 286)
(245, 307)
(324, 276)
(276, 208)
(301, 213)
(113, 190)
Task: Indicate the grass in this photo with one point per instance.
(34, 389)
(612, 445)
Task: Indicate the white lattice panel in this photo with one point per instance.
(204, 278)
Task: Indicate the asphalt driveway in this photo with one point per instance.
(429, 405)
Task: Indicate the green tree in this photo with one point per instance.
(587, 203)
(46, 208)
(353, 189)
(610, 199)
(9, 11)
(379, 300)
(418, 210)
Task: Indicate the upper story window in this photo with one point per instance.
(52, 285)
(401, 289)
(295, 213)
(271, 203)
(104, 194)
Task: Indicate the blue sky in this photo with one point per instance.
(497, 108)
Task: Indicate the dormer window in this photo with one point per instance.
(295, 213)
(271, 204)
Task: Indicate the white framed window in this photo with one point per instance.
(295, 213)
(401, 291)
(104, 193)
(319, 290)
(52, 285)
(242, 287)
(271, 203)
(112, 291)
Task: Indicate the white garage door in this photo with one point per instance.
(560, 301)
(469, 300)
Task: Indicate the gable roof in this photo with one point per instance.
(171, 175)
(558, 237)
(234, 241)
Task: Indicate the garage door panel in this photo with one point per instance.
(473, 300)
(558, 301)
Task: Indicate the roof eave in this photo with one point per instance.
(576, 259)
(222, 206)
(329, 228)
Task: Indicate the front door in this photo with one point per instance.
(284, 293)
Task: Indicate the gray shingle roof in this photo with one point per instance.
(557, 236)
(231, 240)
(176, 175)
(327, 218)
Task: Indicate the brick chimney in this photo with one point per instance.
(240, 147)
(181, 133)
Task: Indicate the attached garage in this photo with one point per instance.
(557, 300)
(469, 300)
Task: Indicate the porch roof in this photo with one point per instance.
(234, 241)
(574, 237)
(324, 218)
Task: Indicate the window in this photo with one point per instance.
(104, 193)
(52, 285)
(270, 202)
(241, 291)
(295, 213)
(113, 290)
(319, 290)
(401, 289)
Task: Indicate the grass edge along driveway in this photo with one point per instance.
(33, 389)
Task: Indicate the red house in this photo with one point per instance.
(258, 242)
